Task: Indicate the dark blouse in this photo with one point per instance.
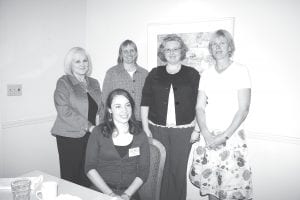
(156, 94)
(122, 150)
(102, 156)
(93, 108)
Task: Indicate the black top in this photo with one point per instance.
(93, 108)
(122, 150)
(156, 94)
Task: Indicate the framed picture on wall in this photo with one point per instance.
(195, 35)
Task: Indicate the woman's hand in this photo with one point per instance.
(195, 136)
(208, 137)
(125, 196)
(219, 141)
(112, 194)
(91, 129)
(117, 198)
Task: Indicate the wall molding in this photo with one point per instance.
(273, 137)
(26, 122)
(50, 118)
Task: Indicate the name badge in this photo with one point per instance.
(134, 151)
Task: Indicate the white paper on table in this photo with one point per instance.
(67, 197)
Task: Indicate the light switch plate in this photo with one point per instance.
(14, 90)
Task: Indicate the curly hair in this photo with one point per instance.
(169, 38)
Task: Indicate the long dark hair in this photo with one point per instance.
(108, 126)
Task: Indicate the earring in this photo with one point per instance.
(110, 117)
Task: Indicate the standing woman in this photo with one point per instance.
(118, 155)
(222, 106)
(77, 99)
(127, 75)
(168, 113)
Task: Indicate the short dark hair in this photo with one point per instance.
(125, 44)
(169, 38)
(108, 125)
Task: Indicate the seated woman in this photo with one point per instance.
(118, 155)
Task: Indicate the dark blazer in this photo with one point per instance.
(71, 103)
(156, 91)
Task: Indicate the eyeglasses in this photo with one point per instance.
(168, 51)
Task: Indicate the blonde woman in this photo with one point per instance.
(127, 75)
(77, 100)
(222, 107)
(168, 113)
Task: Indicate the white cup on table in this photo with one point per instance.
(48, 191)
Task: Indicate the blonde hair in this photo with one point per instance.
(229, 38)
(169, 38)
(123, 45)
(70, 56)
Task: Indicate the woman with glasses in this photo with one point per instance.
(168, 112)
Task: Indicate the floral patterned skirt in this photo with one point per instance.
(225, 172)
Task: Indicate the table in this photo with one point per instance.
(64, 187)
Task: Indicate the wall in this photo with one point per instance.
(266, 34)
(35, 35)
(1, 152)
(29, 147)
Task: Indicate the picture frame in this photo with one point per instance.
(195, 35)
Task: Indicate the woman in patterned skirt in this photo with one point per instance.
(222, 106)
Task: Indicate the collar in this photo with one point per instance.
(163, 70)
(121, 68)
(75, 81)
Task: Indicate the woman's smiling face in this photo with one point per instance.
(121, 109)
(80, 64)
(172, 52)
(129, 54)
